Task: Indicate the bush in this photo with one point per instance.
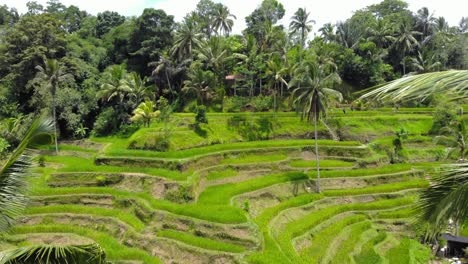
(261, 103)
(234, 104)
(106, 123)
(200, 117)
(443, 115)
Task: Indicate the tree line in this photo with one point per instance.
(94, 71)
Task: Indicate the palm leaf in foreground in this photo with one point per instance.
(15, 170)
(54, 254)
(445, 199)
(452, 83)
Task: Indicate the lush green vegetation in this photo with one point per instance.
(181, 142)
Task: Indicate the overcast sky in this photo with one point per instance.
(322, 11)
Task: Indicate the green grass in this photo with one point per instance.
(259, 158)
(123, 216)
(321, 240)
(113, 248)
(323, 163)
(300, 226)
(388, 169)
(382, 188)
(368, 254)
(409, 251)
(222, 194)
(221, 174)
(406, 212)
(347, 246)
(78, 164)
(65, 147)
(201, 241)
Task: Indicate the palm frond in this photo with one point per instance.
(55, 254)
(419, 87)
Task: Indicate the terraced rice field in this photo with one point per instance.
(235, 202)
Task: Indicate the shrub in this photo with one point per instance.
(443, 115)
(261, 103)
(234, 104)
(106, 123)
(200, 117)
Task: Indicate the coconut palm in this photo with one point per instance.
(419, 87)
(214, 54)
(445, 199)
(423, 62)
(313, 90)
(91, 254)
(51, 75)
(199, 82)
(425, 21)
(222, 21)
(167, 71)
(115, 84)
(276, 73)
(140, 91)
(328, 32)
(455, 136)
(15, 170)
(348, 35)
(187, 38)
(381, 34)
(406, 41)
(300, 22)
(144, 113)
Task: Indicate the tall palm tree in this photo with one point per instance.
(406, 41)
(328, 32)
(51, 75)
(222, 21)
(276, 73)
(167, 70)
(14, 171)
(187, 39)
(423, 62)
(425, 21)
(214, 54)
(381, 33)
(313, 84)
(348, 35)
(301, 23)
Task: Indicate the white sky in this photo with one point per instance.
(322, 11)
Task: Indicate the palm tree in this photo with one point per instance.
(115, 84)
(301, 23)
(328, 32)
(199, 82)
(187, 38)
(168, 70)
(222, 21)
(140, 90)
(14, 171)
(276, 72)
(381, 34)
(425, 21)
(51, 75)
(314, 83)
(406, 40)
(145, 112)
(348, 35)
(214, 54)
(456, 136)
(91, 254)
(445, 199)
(423, 63)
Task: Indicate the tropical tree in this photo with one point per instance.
(14, 171)
(187, 38)
(168, 71)
(145, 112)
(406, 41)
(445, 199)
(51, 75)
(140, 91)
(425, 21)
(424, 62)
(327, 32)
(214, 54)
(222, 21)
(199, 82)
(302, 24)
(455, 135)
(313, 88)
(276, 73)
(381, 33)
(347, 35)
(115, 84)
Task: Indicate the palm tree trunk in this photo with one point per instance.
(55, 124)
(317, 186)
(274, 100)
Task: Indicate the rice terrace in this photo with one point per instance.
(144, 139)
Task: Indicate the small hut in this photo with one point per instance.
(455, 245)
